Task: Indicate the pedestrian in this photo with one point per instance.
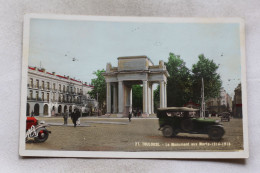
(129, 116)
(78, 117)
(65, 117)
(32, 114)
(53, 113)
(74, 117)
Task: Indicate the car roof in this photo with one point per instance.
(180, 109)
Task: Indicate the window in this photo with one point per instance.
(53, 86)
(53, 97)
(68, 88)
(63, 88)
(48, 96)
(59, 87)
(37, 83)
(31, 94)
(48, 85)
(31, 82)
(42, 96)
(37, 95)
(42, 84)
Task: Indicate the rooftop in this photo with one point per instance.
(60, 76)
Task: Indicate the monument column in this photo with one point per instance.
(149, 98)
(131, 100)
(152, 104)
(165, 95)
(120, 97)
(162, 90)
(145, 97)
(115, 98)
(108, 97)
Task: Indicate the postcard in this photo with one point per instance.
(133, 87)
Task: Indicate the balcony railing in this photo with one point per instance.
(37, 99)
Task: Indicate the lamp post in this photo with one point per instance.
(97, 105)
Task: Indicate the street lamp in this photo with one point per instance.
(97, 105)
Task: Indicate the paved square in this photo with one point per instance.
(141, 134)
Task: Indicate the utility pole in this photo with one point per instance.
(202, 114)
(97, 105)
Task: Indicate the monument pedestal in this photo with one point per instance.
(145, 115)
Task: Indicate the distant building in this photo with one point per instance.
(221, 104)
(49, 94)
(237, 102)
(229, 103)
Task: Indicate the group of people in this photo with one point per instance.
(74, 117)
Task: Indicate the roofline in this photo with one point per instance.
(133, 57)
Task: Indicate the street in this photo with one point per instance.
(141, 134)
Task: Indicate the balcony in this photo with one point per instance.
(37, 99)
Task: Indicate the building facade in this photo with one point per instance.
(221, 104)
(237, 102)
(49, 94)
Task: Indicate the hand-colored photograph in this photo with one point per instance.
(133, 87)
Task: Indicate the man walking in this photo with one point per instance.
(129, 116)
(74, 117)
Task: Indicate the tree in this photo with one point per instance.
(156, 98)
(137, 92)
(99, 89)
(178, 82)
(206, 69)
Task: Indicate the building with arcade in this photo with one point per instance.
(50, 94)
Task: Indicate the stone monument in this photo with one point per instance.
(134, 70)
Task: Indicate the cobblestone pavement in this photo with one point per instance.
(141, 134)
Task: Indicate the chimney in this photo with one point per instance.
(54, 73)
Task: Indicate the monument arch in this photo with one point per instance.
(134, 70)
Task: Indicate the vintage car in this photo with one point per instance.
(174, 120)
(36, 130)
(225, 116)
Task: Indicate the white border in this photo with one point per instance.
(115, 154)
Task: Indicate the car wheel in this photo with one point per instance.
(167, 131)
(216, 133)
(43, 135)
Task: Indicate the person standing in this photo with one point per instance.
(32, 114)
(129, 116)
(74, 117)
(52, 113)
(78, 117)
(65, 116)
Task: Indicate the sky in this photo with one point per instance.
(54, 43)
